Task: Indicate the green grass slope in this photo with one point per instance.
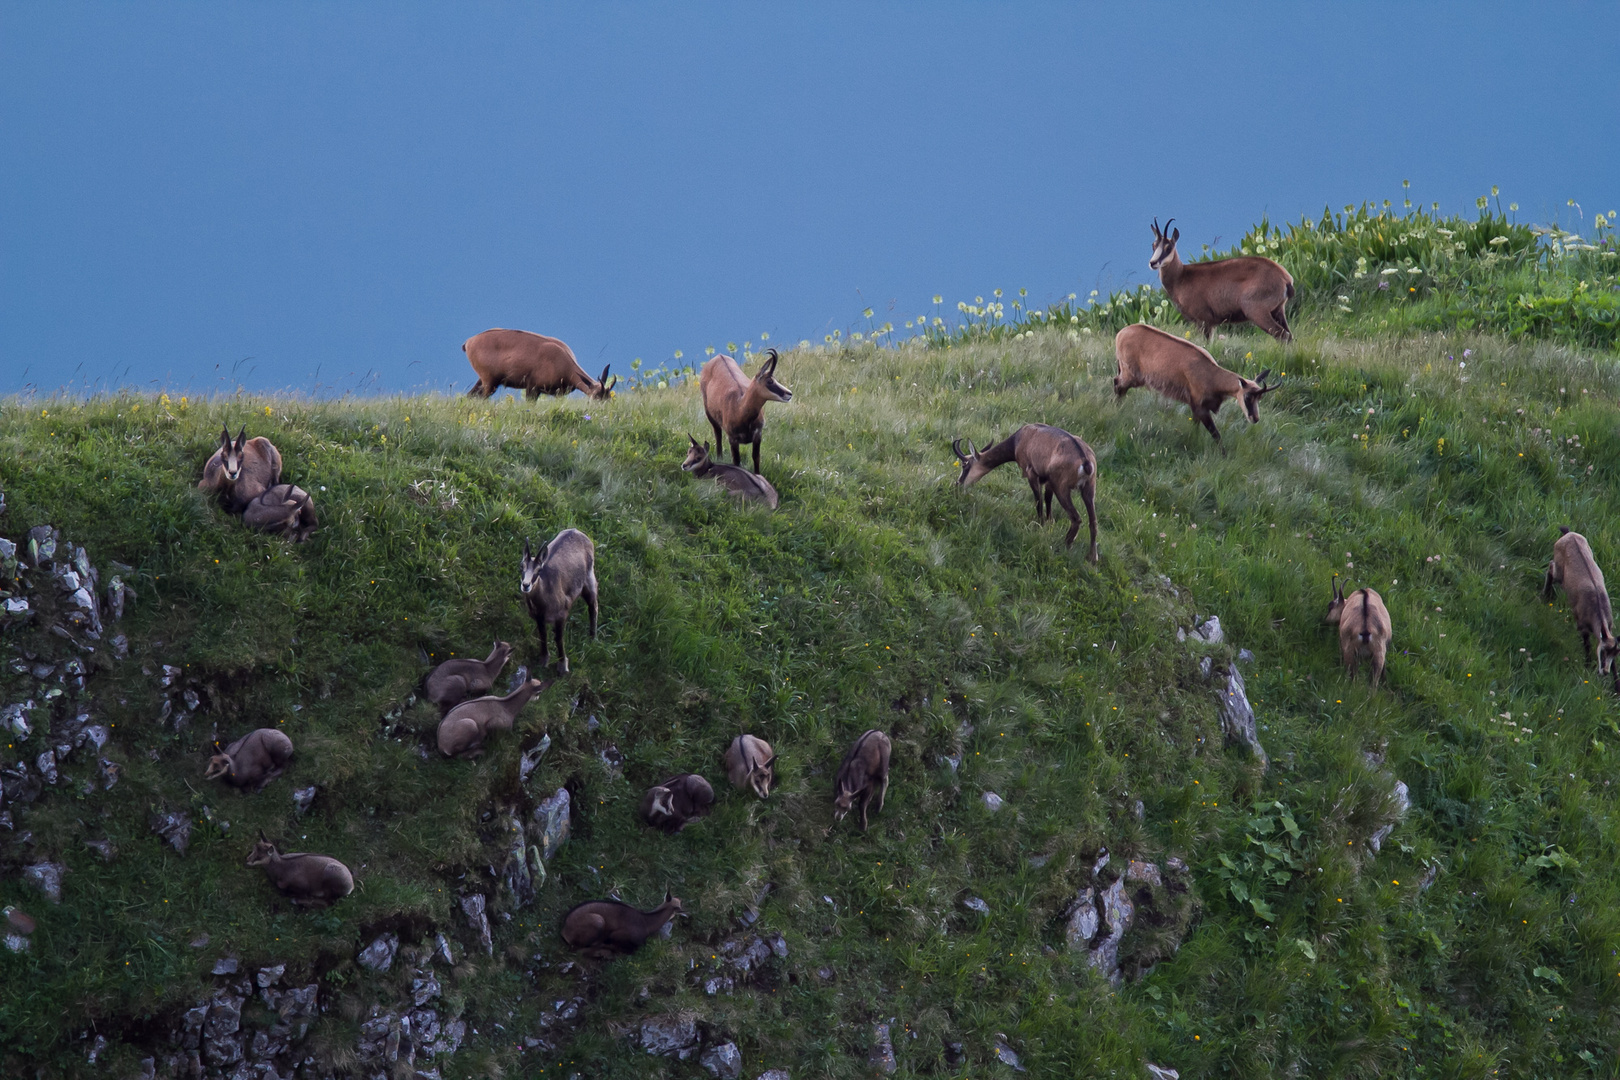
(1481, 941)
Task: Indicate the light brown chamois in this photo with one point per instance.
(307, 880)
(607, 928)
(735, 477)
(1364, 628)
(455, 681)
(533, 363)
(677, 802)
(863, 776)
(1577, 571)
(750, 762)
(551, 581)
(464, 728)
(1184, 372)
(284, 510)
(735, 404)
(241, 469)
(1053, 461)
(253, 760)
(1247, 288)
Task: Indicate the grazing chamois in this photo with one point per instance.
(735, 477)
(1574, 568)
(253, 760)
(551, 581)
(735, 404)
(533, 363)
(241, 469)
(1184, 372)
(284, 510)
(1053, 461)
(607, 928)
(1243, 289)
(677, 802)
(750, 762)
(863, 776)
(464, 728)
(1364, 628)
(455, 681)
(307, 880)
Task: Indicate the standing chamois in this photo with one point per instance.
(533, 363)
(455, 681)
(1243, 289)
(735, 404)
(307, 880)
(284, 510)
(864, 775)
(1364, 628)
(551, 581)
(1574, 568)
(750, 762)
(606, 928)
(1184, 372)
(677, 802)
(241, 469)
(464, 728)
(1053, 461)
(735, 477)
(253, 760)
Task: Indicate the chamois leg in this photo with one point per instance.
(756, 454)
(736, 453)
(1281, 316)
(719, 439)
(1552, 578)
(562, 653)
(1088, 495)
(478, 388)
(590, 599)
(1377, 665)
(1586, 645)
(1267, 321)
(1208, 420)
(1035, 489)
(1066, 500)
(882, 790)
(1050, 491)
(545, 647)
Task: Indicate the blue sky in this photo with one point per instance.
(332, 197)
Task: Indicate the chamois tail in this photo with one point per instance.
(1563, 530)
(1366, 627)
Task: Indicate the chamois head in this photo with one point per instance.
(973, 468)
(766, 379)
(1253, 391)
(1336, 605)
(230, 452)
(218, 766)
(1164, 244)
(530, 568)
(1608, 649)
(696, 456)
(263, 852)
(604, 388)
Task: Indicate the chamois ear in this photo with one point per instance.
(1175, 235)
(241, 437)
(1263, 376)
(668, 896)
(224, 435)
(526, 552)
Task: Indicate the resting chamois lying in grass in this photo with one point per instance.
(863, 776)
(607, 928)
(283, 510)
(1577, 571)
(307, 880)
(253, 760)
(241, 469)
(455, 681)
(733, 477)
(750, 762)
(464, 728)
(1053, 461)
(677, 802)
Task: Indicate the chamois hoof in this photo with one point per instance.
(562, 667)
(1091, 557)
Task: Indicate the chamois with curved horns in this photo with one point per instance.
(533, 363)
(307, 880)
(863, 776)
(1183, 371)
(1246, 288)
(677, 802)
(462, 679)
(464, 728)
(1577, 571)
(284, 510)
(551, 581)
(1054, 462)
(735, 478)
(252, 761)
(1364, 628)
(606, 928)
(735, 404)
(750, 763)
(241, 469)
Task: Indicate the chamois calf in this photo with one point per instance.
(607, 928)
(1574, 568)
(253, 760)
(863, 776)
(455, 681)
(677, 802)
(551, 581)
(734, 477)
(464, 728)
(533, 363)
(1364, 628)
(750, 762)
(284, 510)
(1053, 461)
(1183, 372)
(1243, 289)
(307, 880)
(735, 404)
(241, 469)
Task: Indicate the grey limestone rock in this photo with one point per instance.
(675, 1035)
(1237, 716)
(379, 955)
(881, 1056)
(47, 878)
(723, 1060)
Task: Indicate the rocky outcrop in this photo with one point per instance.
(1128, 924)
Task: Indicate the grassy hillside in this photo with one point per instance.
(1480, 941)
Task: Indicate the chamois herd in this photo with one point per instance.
(246, 474)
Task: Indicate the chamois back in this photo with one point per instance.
(283, 510)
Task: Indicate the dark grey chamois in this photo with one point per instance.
(750, 762)
(284, 510)
(241, 469)
(1577, 571)
(733, 477)
(455, 681)
(307, 880)
(677, 802)
(607, 928)
(252, 761)
(863, 776)
(560, 574)
(1054, 462)
(464, 728)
